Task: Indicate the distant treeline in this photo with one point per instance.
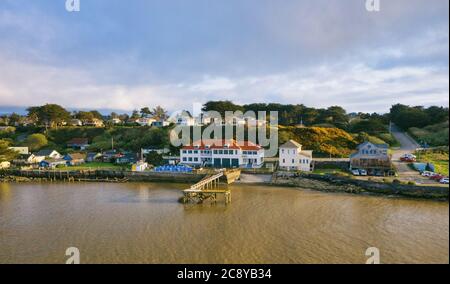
(290, 115)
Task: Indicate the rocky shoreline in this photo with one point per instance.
(330, 183)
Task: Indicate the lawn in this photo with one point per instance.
(437, 157)
(95, 166)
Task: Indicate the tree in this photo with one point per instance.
(159, 113)
(6, 154)
(406, 117)
(14, 119)
(84, 116)
(50, 114)
(221, 107)
(135, 115)
(154, 159)
(36, 141)
(145, 112)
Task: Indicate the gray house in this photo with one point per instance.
(374, 158)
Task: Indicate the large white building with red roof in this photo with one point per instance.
(223, 154)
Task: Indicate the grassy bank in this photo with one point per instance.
(433, 135)
(439, 157)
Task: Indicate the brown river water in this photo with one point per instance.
(144, 223)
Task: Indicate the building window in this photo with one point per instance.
(195, 159)
(184, 151)
(190, 159)
(293, 161)
(284, 160)
(184, 159)
(215, 151)
(195, 152)
(190, 151)
(220, 152)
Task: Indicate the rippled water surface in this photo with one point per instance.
(144, 223)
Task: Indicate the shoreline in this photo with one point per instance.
(322, 183)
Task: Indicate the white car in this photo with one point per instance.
(355, 172)
(409, 156)
(444, 181)
(363, 172)
(427, 174)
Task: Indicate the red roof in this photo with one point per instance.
(222, 144)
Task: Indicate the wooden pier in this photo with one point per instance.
(207, 189)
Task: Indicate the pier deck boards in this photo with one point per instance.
(206, 189)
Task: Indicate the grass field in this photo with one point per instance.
(94, 166)
(437, 157)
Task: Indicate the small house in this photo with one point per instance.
(160, 151)
(94, 123)
(52, 163)
(161, 123)
(53, 154)
(126, 158)
(116, 120)
(75, 122)
(110, 156)
(29, 159)
(184, 118)
(75, 159)
(93, 157)
(145, 121)
(78, 143)
(139, 166)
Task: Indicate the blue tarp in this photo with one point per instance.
(173, 169)
(421, 167)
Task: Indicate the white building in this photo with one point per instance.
(116, 120)
(53, 154)
(223, 154)
(161, 123)
(292, 157)
(145, 121)
(75, 122)
(21, 150)
(184, 119)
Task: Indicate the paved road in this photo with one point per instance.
(408, 146)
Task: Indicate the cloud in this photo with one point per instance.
(355, 87)
(318, 53)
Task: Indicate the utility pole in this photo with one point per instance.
(112, 143)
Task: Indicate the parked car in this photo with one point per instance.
(437, 177)
(410, 158)
(444, 180)
(427, 174)
(363, 172)
(355, 172)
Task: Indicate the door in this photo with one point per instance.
(226, 163)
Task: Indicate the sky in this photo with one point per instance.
(123, 55)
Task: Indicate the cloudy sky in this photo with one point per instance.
(122, 55)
